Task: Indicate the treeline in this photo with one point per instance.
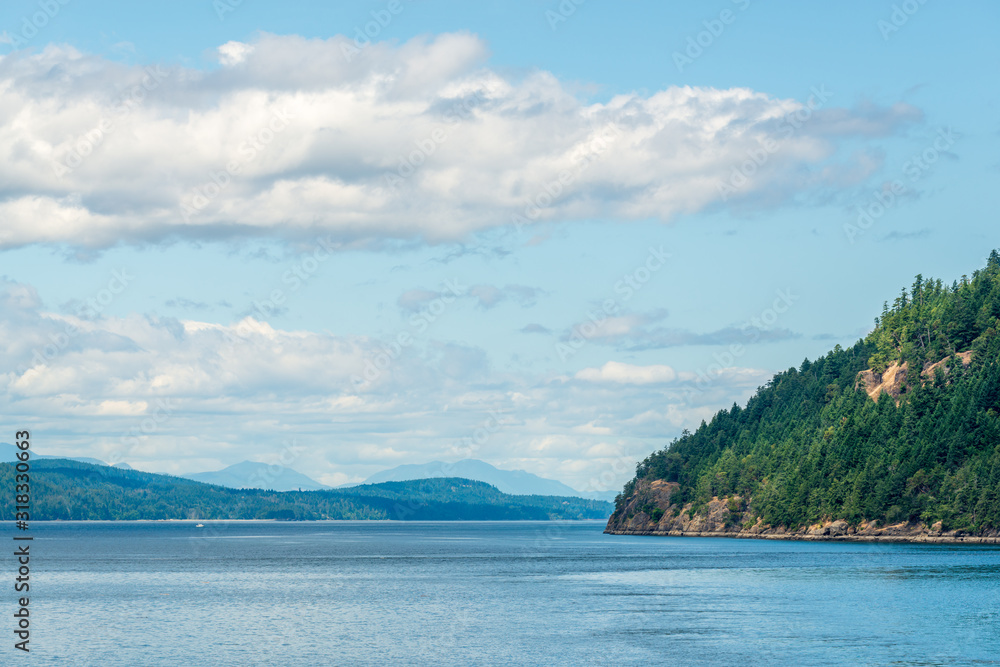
(71, 490)
(812, 445)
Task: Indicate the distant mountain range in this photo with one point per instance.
(513, 482)
(254, 475)
(8, 454)
(70, 490)
(245, 475)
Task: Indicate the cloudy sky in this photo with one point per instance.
(551, 236)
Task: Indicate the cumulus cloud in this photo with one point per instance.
(175, 395)
(612, 329)
(234, 53)
(614, 371)
(288, 138)
(602, 329)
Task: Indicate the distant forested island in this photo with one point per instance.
(897, 437)
(72, 490)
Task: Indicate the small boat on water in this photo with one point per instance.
(200, 525)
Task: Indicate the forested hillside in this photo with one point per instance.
(66, 490)
(902, 429)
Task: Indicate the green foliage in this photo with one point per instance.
(71, 490)
(812, 445)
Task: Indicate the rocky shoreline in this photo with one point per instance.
(649, 511)
(918, 539)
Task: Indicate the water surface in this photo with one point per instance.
(490, 593)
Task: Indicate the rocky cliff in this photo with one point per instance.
(896, 376)
(650, 511)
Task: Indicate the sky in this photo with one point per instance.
(347, 236)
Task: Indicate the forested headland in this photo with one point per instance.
(895, 437)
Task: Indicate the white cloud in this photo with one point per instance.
(180, 396)
(615, 371)
(234, 53)
(130, 408)
(94, 153)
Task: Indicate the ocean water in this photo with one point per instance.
(489, 593)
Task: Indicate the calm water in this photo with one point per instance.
(366, 593)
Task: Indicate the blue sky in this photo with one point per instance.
(380, 191)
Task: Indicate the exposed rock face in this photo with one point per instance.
(929, 369)
(891, 381)
(732, 517)
(651, 510)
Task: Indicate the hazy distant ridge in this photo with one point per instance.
(255, 475)
(514, 482)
